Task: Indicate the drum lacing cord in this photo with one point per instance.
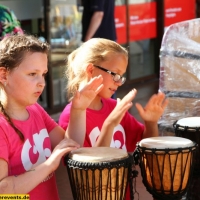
(134, 175)
(178, 153)
(191, 133)
(181, 128)
(76, 176)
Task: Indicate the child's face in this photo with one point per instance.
(117, 64)
(26, 82)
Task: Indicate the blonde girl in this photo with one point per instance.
(107, 122)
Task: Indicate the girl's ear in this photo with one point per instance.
(90, 69)
(3, 75)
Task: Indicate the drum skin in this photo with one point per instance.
(99, 173)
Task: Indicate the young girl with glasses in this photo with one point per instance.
(31, 142)
(107, 122)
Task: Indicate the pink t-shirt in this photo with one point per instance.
(125, 135)
(36, 148)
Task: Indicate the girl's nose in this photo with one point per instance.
(41, 82)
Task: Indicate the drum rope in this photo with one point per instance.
(193, 134)
(99, 181)
(153, 164)
(134, 191)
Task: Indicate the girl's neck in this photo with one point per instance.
(17, 113)
(96, 104)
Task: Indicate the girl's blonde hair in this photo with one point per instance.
(93, 51)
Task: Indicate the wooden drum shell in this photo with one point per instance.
(101, 179)
(166, 172)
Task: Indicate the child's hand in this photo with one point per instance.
(85, 96)
(114, 119)
(122, 106)
(154, 108)
(65, 146)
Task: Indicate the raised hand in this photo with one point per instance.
(154, 108)
(114, 118)
(85, 96)
(122, 106)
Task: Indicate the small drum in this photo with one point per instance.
(166, 165)
(99, 173)
(190, 128)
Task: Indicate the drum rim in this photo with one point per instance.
(161, 141)
(186, 128)
(125, 162)
(168, 150)
(191, 128)
(98, 154)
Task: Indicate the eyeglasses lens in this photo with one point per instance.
(118, 78)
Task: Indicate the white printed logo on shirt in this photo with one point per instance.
(118, 138)
(36, 153)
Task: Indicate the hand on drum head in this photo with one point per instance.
(64, 147)
(85, 96)
(154, 108)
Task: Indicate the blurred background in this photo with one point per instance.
(140, 26)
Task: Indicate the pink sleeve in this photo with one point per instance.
(4, 149)
(64, 117)
(50, 124)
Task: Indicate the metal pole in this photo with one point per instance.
(127, 36)
(160, 13)
(49, 78)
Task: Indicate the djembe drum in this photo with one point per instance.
(166, 165)
(189, 128)
(99, 173)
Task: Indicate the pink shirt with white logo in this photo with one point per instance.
(125, 135)
(36, 148)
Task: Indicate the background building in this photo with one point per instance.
(140, 26)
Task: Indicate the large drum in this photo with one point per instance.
(166, 165)
(190, 128)
(99, 173)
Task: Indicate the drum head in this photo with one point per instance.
(166, 142)
(98, 154)
(189, 122)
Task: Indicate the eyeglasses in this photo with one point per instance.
(116, 77)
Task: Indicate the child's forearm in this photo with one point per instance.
(105, 136)
(77, 126)
(24, 183)
(151, 130)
